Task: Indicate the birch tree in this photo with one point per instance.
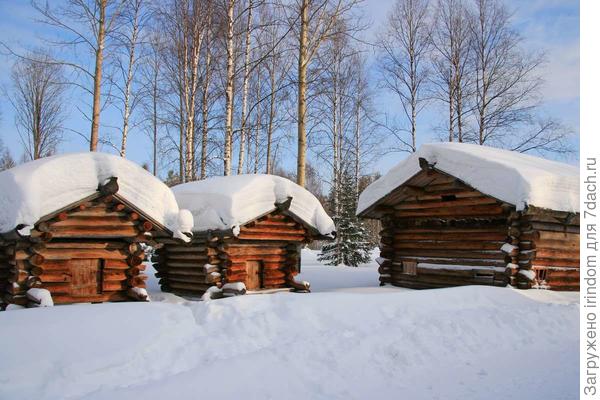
(38, 99)
(451, 60)
(133, 20)
(229, 82)
(86, 24)
(152, 91)
(506, 83)
(245, 78)
(316, 20)
(405, 44)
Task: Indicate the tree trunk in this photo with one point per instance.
(459, 111)
(451, 111)
(98, 76)
(229, 92)
(128, 83)
(302, 67)
(271, 114)
(205, 96)
(240, 168)
(155, 125)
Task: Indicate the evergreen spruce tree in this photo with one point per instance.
(351, 245)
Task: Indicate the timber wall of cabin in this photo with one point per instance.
(214, 260)
(439, 221)
(549, 246)
(436, 220)
(89, 253)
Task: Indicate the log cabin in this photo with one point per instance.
(76, 226)
(247, 236)
(461, 214)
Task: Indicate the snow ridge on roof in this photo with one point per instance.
(512, 177)
(227, 202)
(35, 189)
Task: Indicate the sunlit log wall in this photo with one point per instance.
(91, 252)
(217, 258)
(439, 232)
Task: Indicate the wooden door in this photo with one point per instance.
(254, 275)
(86, 277)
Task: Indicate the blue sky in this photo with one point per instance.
(548, 25)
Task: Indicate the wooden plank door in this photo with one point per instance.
(254, 275)
(86, 277)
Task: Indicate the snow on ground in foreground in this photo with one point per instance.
(461, 343)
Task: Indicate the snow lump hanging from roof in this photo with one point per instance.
(516, 178)
(227, 202)
(35, 189)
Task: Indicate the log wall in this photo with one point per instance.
(103, 236)
(549, 246)
(440, 232)
(214, 260)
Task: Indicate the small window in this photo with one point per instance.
(409, 268)
(448, 197)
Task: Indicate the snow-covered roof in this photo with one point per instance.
(35, 189)
(227, 202)
(515, 178)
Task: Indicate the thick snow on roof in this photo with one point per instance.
(226, 202)
(32, 190)
(515, 178)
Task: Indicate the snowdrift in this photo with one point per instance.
(35, 189)
(227, 202)
(515, 178)
(461, 343)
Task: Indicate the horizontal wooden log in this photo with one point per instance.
(57, 287)
(572, 246)
(186, 249)
(116, 264)
(272, 236)
(277, 223)
(240, 277)
(105, 297)
(548, 227)
(194, 279)
(114, 275)
(272, 230)
(447, 244)
(451, 261)
(67, 254)
(234, 250)
(459, 202)
(498, 236)
(98, 221)
(199, 287)
(552, 262)
(557, 254)
(55, 276)
(104, 245)
(198, 257)
(274, 274)
(94, 232)
(109, 286)
(482, 210)
(467, 254)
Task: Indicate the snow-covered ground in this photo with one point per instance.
(349, 339)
